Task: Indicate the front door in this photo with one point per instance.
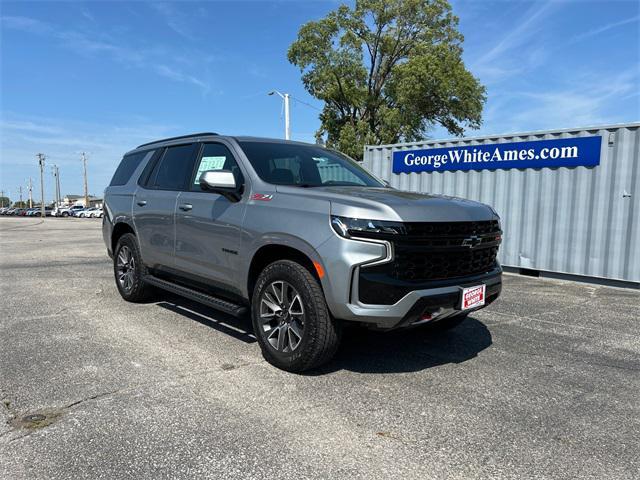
(208, 225)
(154, 205)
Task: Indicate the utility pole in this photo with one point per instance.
(86, 189)
(30, 193)
(56, 177)
(58, 185)
(2, 197)
(58, 189)
(285, 97)
(41, 158)
(20, 190)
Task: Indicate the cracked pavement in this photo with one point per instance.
(544, 383)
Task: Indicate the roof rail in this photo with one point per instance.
(202, 134)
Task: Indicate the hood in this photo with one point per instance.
(396, 205)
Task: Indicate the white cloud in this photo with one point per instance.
(521, 34)
(605, 28)
(584, 100)
(92, 46)
(62, 141)
(178, 76)
(175, 19)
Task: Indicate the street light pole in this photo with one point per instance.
(287, 126)
(30, 193)
(41, 158)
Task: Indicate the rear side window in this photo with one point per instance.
(126, 168)
(173, 171)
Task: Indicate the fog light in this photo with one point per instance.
(426, 316)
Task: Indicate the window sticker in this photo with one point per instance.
(209, 163)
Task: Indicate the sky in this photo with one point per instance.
(103, 77)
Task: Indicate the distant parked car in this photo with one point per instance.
(88, 212)
(77, 212)
(3, 210)
(19, 212)
(68, 211)
(32, 211)
(47, 212)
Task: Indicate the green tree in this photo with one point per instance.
(5, 201)
(387, 71)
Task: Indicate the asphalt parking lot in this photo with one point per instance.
(545, 383)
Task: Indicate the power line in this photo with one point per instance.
(307, 104)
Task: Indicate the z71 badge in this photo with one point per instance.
(263, 197)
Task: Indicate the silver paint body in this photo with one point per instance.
(196, 240)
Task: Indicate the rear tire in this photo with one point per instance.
(291, 320)
(129, 270)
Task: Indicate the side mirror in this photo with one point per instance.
(222, 182)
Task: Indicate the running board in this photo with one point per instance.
(209, 300)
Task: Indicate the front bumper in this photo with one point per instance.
(440, 302)
(341, 288)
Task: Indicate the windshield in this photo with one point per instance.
(305, 165)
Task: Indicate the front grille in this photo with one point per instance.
(429, 230)
(429, 252)
(416, 264)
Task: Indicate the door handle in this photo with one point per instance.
(186, 207)
(142, 203)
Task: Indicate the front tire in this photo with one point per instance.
(291, 320)
(129, 270)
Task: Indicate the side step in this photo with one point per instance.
(209, 300)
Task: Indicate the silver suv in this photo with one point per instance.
(298, 235)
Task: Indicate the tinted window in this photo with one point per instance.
(215, 156)
(126, 168)
(172, 172)
(305, 165)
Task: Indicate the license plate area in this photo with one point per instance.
(473, 297)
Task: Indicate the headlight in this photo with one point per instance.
(358, 227)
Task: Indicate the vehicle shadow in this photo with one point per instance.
(409, 350)
(239, 328)
(361, 350)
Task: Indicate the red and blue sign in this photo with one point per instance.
(562, 152)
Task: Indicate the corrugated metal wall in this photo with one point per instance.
(336, 173)
(578, 221)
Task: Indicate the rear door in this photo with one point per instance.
(154, 205)
(208, 225)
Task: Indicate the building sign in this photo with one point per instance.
(564, 152)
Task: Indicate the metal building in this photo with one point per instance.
(575, 215)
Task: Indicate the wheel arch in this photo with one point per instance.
(119, 229)
(270, 253)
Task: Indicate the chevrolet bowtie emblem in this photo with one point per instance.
(471, 241)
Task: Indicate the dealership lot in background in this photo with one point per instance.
(542, 383)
